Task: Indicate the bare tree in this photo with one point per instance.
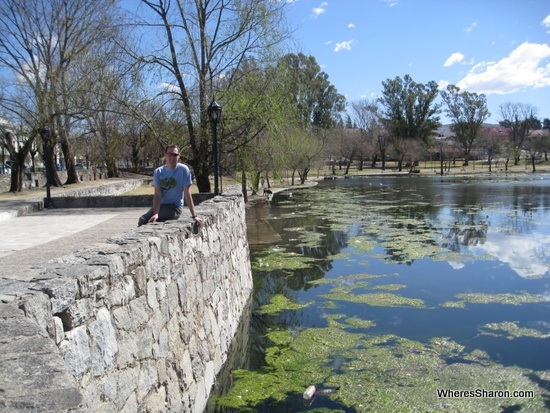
(366, 115)
(536, 145)
(520, 119)
(491, 140)
(40, 41)
(350, 145)
(108, 99)
(201, 43)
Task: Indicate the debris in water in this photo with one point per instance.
(309, 393)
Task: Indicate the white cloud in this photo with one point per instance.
(317, 11)
(442, 85)
(392, 3)
(528, 66)
(453, 59)
(470, 27)
(351, 26)
(546, 22)
(343, 45)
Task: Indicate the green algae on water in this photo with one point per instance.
(280, 303)
(292, 365)
(281, 259)
(377, 300)
(481, 298)
(362, 243)
(510, 330)
(348, 279)
(389, 287)
(384, 374)
(308, 239)
(341, 321)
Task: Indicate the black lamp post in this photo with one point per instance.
(215, 114)
(45, 135)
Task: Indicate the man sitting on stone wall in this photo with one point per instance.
(172, 183)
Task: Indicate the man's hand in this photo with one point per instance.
(153, 218)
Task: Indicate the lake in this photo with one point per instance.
(394, 294)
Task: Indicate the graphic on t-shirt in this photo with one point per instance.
(168, 183)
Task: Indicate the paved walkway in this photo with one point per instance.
(31, 236)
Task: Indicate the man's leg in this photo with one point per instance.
(168, 212)
(144, 219)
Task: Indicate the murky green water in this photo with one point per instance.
(386, 292)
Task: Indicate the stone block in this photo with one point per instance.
(75, 349)
(103, 342)
(78, 312)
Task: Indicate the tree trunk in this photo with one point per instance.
(49, 163)
(374, 160)
(72, 175)
(17, 169)
(256, 182)
(348, 165)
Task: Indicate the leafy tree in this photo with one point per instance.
(202, 44)
(467, 111)
(409, 113)
(258, 110)
(318, 102)
(302, 149)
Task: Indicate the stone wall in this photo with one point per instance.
(141, 325)
(38, 179)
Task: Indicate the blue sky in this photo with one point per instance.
(496, 47)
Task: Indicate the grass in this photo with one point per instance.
(434, 167)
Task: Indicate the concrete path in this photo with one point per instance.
(31, 236)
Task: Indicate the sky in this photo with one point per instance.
(500, 48)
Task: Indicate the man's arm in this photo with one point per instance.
(189, 202)
(157, 199)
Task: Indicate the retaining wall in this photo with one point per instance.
(38, 179)
(142, 325)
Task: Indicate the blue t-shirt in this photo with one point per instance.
(172, 182)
